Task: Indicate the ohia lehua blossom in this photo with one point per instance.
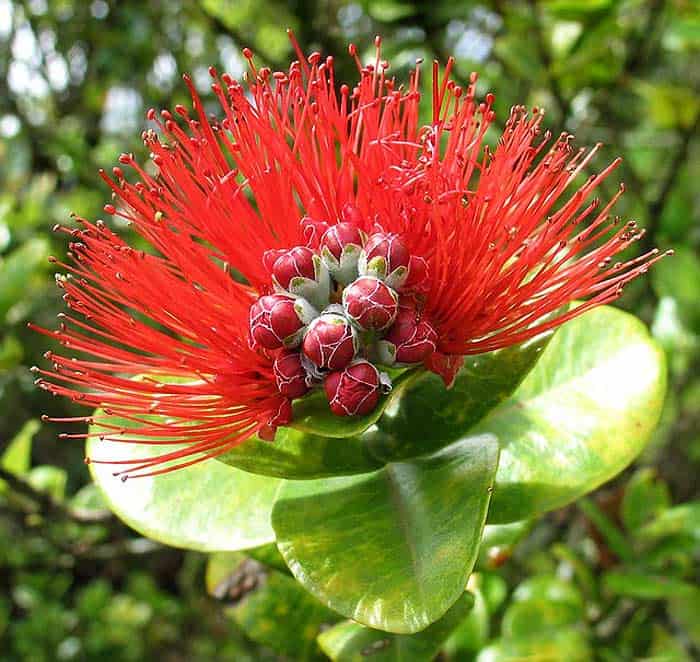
(311, 238)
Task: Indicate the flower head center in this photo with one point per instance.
(339, 311)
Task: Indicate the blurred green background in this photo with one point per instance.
(77, 78)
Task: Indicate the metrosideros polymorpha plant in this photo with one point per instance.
(340, 338)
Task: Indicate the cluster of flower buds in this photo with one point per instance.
(342, 305)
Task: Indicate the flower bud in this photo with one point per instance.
(276, 321)
(351, 214)
(290, 374)
(410, 340)
(301, 272)
(330, 341)
(370, 304)
(417, 279)
(340, 248)
(385, 256)
(313, 230)
(355, 390)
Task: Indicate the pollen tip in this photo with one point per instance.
(124, 478)
(87, 460)
(669, 252)
(44, 418)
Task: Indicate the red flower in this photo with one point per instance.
(494, 242)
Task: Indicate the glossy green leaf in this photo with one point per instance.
(581, 416)
(270, 556)
(429, 416)
(300, 455)
(391, 549)
(207, 506)
(352, 642)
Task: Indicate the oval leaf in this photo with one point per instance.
(430, 416)
(581, 416)
(300, 455)
(352, 642)
(207, 506)
(391, 549)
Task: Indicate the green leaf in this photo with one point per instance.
(472, 633)
(299, 455)
(89, 499)
(581, 416)
(429, 416)
(207, 506)
(352, 642)
(645, 498)
(528, 617)
(269, 555)
(49, 479)
(551, 589)
(17, 456)
(645, 586)
(682, 519)
(391, 549)
(20, 269)
(569, 644)
(679, 278)
(684, 609)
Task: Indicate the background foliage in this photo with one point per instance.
(613, 577)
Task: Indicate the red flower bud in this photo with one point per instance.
(417, 279)
(298, 262)
(330, 341)
(275, 322)
(300, 272)
(354, 391)
(340, 249)
(351, 214)
(270, 257)
(290, 375)
(370, 303)
(409, 340)
(385, 256)
(313, 230)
